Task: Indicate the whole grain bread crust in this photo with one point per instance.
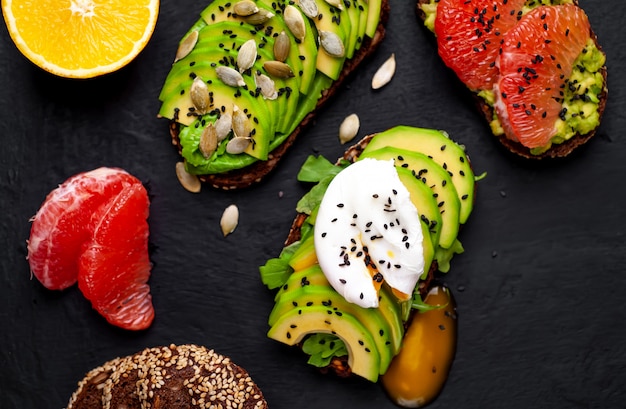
(249, 175)
(556, 150)
(169, 377)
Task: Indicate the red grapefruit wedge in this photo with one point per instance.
(469, 33)
(114, 267)
(59, 227)
(536, 60)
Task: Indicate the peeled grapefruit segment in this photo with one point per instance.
(535, 63)
(114, 267)
(60, 226)
(469, 35)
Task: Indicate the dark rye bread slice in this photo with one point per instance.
(173, 377)
(244, 177)
(557, 150)
(339, 365)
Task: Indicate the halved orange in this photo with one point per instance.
(80, 38)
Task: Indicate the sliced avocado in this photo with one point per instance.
(373, 17)
(336, 21)
(351, 12)
(309, 276)
(390, 308)
(323, 296)
(388, 305)
(235, 34)
(435, 177)
(304, 256)
(307, 48)
(422, 198)
(363, 10)
(363, 356)
(304, 51)
(442, 149)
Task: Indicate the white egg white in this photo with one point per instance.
(366, 218)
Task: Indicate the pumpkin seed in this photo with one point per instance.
(187, 180)
(208, 141)
(332, 44)
(237, 145)
(309, 8)
(349, 128)
(260, 17)
(229, 220)
(230, 76)
(295, 22)
(267, 86)
(245, 8)
(385, 73)
(200, 95)
(247, 55)
(186, 46)
(336, 3)
(241, 124)
(278, 69)
(282, 46)
(223, 126)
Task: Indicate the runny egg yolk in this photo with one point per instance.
(417, 374)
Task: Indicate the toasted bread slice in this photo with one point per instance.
(254, 173)
(556, 150)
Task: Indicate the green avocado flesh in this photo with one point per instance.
(308, 71)
(307, 309)
(581, 92)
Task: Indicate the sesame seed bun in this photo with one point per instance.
(184, 376)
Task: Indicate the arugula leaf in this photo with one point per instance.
(313, 198)
(322, 348)
(276, 271)
(317, 168)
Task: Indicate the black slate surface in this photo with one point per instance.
(540, 288)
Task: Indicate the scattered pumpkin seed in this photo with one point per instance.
(186, 46)
(260, 17)
(309, 8)
(294, 21)
(208, 141)
(229, 220)
(278, 69)
(282, 46)
(385, 73)
(267, 86)
(332, 44)
(241, 123)
(336, 3)
(245, 8)
(349, 128)
(230, 76)
(223, 126)
(246, 56)
(237, 145)
(187, 180)
(200, 95)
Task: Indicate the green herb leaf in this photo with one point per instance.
(322, 348)
(317, 168)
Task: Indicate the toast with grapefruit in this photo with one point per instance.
(535, 67)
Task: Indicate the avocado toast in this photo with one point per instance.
(535, 68)
(312, 280)
(235, 110)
